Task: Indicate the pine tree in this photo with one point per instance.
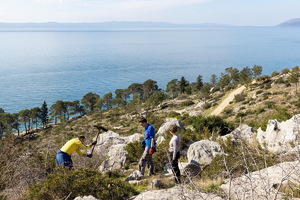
(44, 114)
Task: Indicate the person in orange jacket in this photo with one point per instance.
(63, 155)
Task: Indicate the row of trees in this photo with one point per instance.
(147, 93)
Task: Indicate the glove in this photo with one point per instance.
(94, 143)
(89, 155)
(151, 151)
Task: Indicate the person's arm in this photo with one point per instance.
(83, 146)
(79, 152)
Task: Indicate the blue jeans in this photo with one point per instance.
(63, 158)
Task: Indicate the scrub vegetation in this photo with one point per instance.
(27, 164)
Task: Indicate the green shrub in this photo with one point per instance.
(268, 85)
(135, 151)
(187, 103)
(173, 114)
(259, 110)
(82, 182)
(259, 91)
(275, 73)
(207, 106)
(241, 114)
(240, 97)
(2, 197)
(212, 123)
(285, 71)
(279, 81)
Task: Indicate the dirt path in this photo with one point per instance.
(226, 101)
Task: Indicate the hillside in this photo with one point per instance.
(29, 160)
(291, 22)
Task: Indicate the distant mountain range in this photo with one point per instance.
(120, 25)
(102, 25)
(291, 22)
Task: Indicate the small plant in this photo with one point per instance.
(173, 114)
(207, 106)
(187, 103)
(240, 97)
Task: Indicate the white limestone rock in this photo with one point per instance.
(280, 137)
(177, 192)
(263, 184)
(168, 122)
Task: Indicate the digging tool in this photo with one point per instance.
(99, 128)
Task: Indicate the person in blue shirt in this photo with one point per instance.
(148, 145)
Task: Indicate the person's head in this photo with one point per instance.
(81, 138)
(143, 122)
(173, 129)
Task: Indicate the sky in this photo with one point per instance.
(231, 12)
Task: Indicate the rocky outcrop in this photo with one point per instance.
(200, 154)
(112, 145)
(168, 122)
(193, 110)
(280, 137)
(177, 192)
(117, 157)
(243, 132)
(265, 183)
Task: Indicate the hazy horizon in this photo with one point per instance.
(230, 12)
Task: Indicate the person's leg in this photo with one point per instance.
(143, 162)
(176, 168)
(150, 165)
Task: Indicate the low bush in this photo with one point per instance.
(135, 151)
(214, 124)
(187, 103)
(173, 114)
(64, 184)
(239, 159)
(240, 97)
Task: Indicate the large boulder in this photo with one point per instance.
(177, 192)
(243, 132)
(117, 157)
(111, 145)
(265, 183)
(280, 137)
(106, 140)
(166, 125)
(199, 155)
(202, 152)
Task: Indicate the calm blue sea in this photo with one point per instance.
(38, 66)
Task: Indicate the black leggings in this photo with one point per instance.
(175, 168)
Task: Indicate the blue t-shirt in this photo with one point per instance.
(149, 132)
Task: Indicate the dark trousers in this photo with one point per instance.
(146, 159)
(175, 168)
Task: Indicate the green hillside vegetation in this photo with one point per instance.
(27, 160)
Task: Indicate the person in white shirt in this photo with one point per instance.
(174, 152)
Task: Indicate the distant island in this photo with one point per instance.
(102, 25)
(291, 22)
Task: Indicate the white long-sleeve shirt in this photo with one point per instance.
(175, 145)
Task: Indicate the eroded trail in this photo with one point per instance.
(226, 101)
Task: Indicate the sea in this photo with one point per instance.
(50, 65)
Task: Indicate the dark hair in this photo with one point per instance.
(173, 128)
(143, 119)
(81, 137)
